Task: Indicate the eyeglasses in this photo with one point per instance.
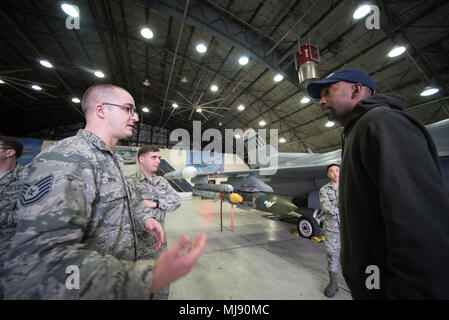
(130, 109)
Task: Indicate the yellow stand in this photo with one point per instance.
(319, 239)
(316, 239)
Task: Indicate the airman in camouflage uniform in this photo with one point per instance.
(148, 186)
(155, 188)
(329, 204)
(75, 212)
(10, 186)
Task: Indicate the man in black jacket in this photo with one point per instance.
(394, 210)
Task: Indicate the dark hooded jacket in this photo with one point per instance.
(393, 205)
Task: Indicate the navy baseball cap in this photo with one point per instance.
(350, 75)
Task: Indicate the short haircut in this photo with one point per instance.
(332, 165)
(12, 143)
(145, 149)
(95, 93)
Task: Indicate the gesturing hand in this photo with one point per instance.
(173, 263)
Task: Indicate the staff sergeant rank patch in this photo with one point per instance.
(35, 192)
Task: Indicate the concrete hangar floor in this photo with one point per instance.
(261, 259)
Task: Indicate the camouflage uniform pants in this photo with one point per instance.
(165, 291)
(147, 251)
(6, 235)
(333, 246)
(162, 294)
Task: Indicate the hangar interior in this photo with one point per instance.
(226, 64)
(260, 259)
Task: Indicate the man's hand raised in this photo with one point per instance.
(173, 263)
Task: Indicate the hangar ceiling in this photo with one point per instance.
(109, 39)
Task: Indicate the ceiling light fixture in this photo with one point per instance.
(36, 87)
(243, 60)
(70, 10)
(201, 47)
(237, 136)
(329, 124)
(46, 63)
(428, 91)
(278, 77)
(1, 81)
(76, 100)
(145, 109)
(396, 51)
(146, 83)
(184, 80)
(213, 88)
(241, 107)
(282, 140)
(305, 100)
(199, 110)
(175, 105)
(361, 11)
(99, 74)
(146, 33)
(262, 123)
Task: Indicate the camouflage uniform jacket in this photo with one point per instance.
(10, 185)
(156, 188)
(74, 210)
(329, 204)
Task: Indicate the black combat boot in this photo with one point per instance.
(332, 288)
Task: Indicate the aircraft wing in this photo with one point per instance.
(294, 183)
(306, 173)
(288, 172)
